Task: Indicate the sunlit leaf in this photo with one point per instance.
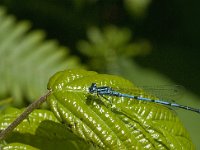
(124, 124)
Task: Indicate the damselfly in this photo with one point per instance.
(106, 90)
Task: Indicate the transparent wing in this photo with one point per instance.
(168, 92)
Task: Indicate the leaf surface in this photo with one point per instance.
(126, 124)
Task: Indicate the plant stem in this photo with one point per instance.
(24, 115)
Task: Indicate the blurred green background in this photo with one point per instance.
(172, 27)
(147, 42)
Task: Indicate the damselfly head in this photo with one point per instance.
(93, 88)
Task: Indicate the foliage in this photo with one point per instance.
(127, 124)
(111, 48)
(122, 124)
(41, 130)
(27, 60)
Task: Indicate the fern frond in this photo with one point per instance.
(27, 60)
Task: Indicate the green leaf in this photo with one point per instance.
(27, 60)
(41, 130)
(126, 124)
(18, 146)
